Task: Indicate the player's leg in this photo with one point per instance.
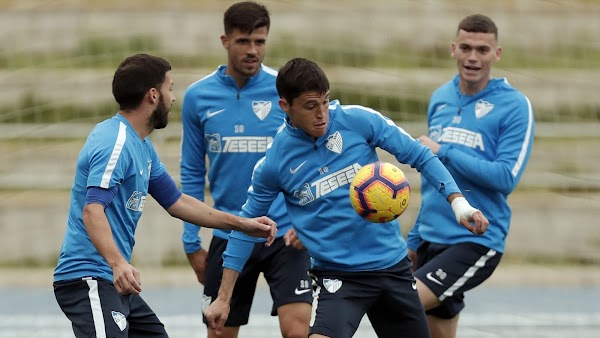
(398, 311)
(294, 319)
(94, 307)
(143, 322)
(443, 328)
(286, 272)
(446, 272)
(243, 292)
(340, 301)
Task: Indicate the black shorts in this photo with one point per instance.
(388, 297)
(96, 309)
(284, 268)
(450, 270)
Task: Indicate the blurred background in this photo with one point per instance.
(57, 59)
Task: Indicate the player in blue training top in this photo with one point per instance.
(232, 115)
(481, 128)
(94, 282)
(359, 267)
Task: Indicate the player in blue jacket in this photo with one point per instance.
(94, 282)
(359, 267)
(230, 116)
(481, 128)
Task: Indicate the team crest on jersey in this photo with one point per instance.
(214, 142)
(261, 108)
(334, 142)
(149, 167)
(332, 285)
(305, 194)
(136, 201)
(482, 108)
(435, 132)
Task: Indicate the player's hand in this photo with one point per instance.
(480, 223)
(260, 227)
(126, 279)
(217, 314)
(465, 214)
(429, 143)
(198, 263)
(291, 239)
(412, 254)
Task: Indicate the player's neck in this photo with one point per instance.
(138, 121)
(470, 88)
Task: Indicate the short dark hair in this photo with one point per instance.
(246, 16)
(299, 76)
(478, 23)
(135, 76)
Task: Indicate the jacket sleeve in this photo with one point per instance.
(238, 251)
(384, 133)
(261, 193)
(512, 153)
(192, 165)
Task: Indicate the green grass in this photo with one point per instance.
(33, 109)
(97, 51)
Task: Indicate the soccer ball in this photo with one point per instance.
(379, 192)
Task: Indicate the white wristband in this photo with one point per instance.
(462, 209)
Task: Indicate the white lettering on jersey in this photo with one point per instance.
(136, 202)
(335, 180)
(240, 144)
(462, 136)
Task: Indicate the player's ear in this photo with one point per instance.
(225, 41)
(153, 95)
(284, 105)
(498, 53)
(453, 50)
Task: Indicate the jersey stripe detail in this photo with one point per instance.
(114, 156)
(373, 111)
(269, 70)
(468, 274)
(524, 148)
(96, 307)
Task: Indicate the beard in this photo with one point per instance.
(160, 116)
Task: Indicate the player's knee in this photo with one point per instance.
(294, 328)
(295, 332)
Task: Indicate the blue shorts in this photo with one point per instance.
(96, 309)
(450, 270)
(388, 297)
(284, 268)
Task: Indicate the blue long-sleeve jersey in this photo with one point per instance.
(232, 127)
(486, 140)
(315, 175)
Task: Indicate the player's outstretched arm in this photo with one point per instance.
(218, 311)
(465, 214)
(194, 211)
(126, 278)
